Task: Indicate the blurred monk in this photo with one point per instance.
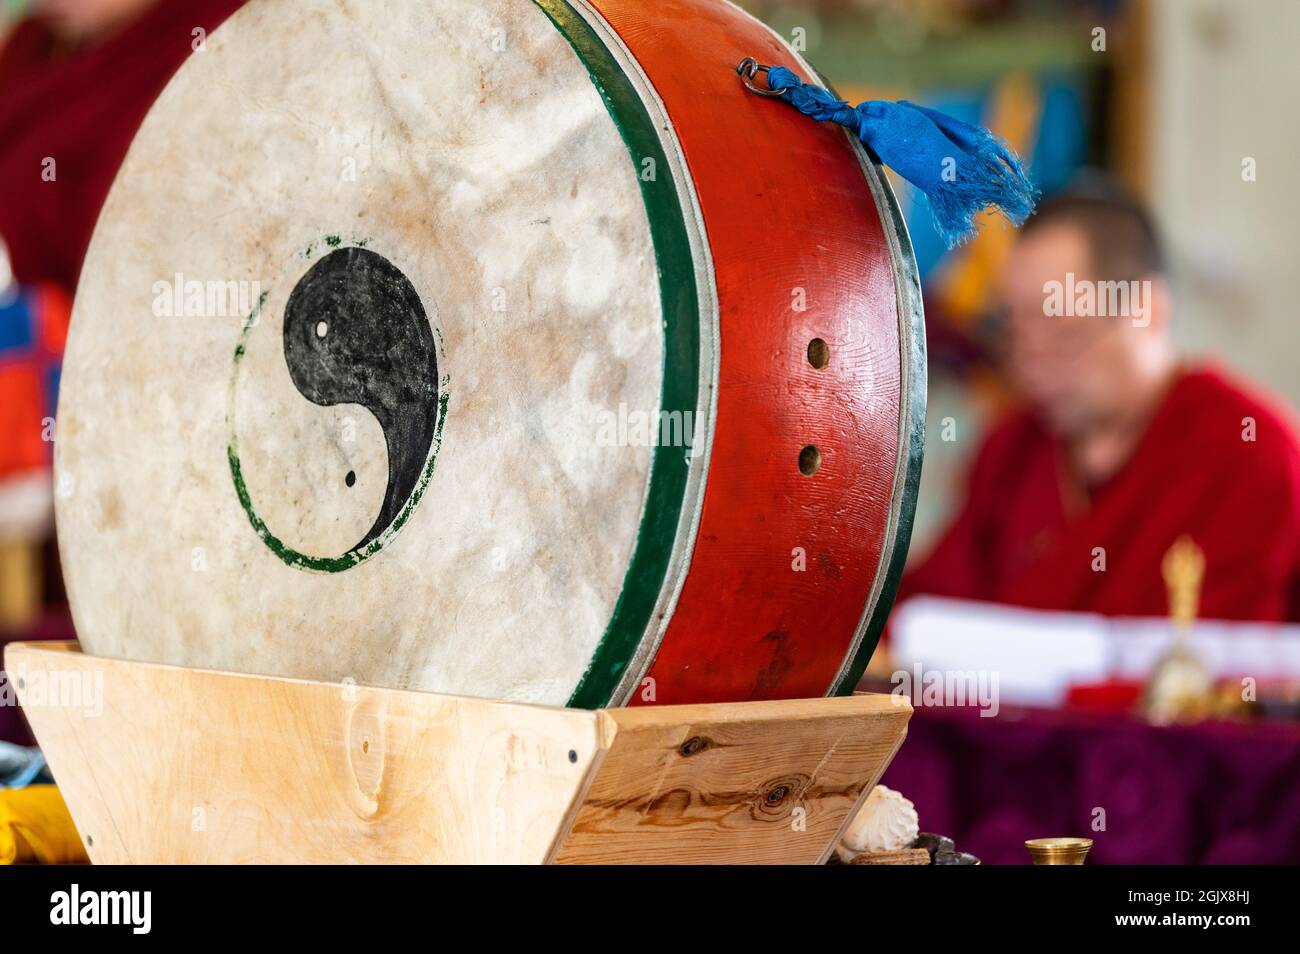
(1122, 446)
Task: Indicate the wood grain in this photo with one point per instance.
(752, 782)
(193, 766)
(171, 765)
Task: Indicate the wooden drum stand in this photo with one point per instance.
(160, 764)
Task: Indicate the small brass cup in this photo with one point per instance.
(1058, 851)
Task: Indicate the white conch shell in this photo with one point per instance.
(886, 822)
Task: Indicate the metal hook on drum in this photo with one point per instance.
(748, 68)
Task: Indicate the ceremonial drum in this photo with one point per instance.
(508, 348)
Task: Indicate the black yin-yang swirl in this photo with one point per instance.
(355, 332)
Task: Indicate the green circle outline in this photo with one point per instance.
(286, 553)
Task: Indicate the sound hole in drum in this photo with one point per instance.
(810, 459)
(819, 353)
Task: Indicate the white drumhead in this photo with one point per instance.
(210, 514)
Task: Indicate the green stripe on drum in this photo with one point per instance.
(669, 469)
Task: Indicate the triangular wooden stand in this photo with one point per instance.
(176, 765)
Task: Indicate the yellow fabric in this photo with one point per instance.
(35, 827)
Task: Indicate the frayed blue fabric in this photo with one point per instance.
(961, 168)
(21, 766)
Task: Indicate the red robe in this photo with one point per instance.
(81, 109)
(1027, 536)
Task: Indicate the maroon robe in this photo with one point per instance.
(1027, 534)
(81, 109)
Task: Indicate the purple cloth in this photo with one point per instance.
(1214, 793)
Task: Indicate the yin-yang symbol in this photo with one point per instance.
(354, 333)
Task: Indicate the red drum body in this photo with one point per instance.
(602, 383)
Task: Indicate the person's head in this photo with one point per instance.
(88, 20)
(1087, 308)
